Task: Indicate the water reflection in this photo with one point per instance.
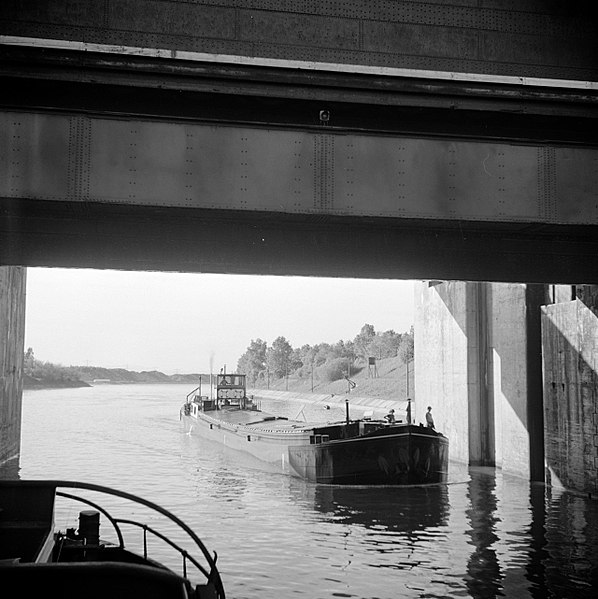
(538, 556)
(542, 545)
(402, 509)
(522, 540)
(570, 565)
(483, 571)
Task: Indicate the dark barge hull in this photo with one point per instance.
(402, 455)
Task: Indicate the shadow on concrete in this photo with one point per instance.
(570, 342)
(500, 327)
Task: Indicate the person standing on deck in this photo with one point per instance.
(390, 417)
(429, 418)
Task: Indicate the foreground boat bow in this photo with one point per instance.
(36, 560)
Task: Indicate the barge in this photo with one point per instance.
(349, 452)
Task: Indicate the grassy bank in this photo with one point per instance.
(387, 381)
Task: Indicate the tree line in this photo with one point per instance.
(326, 362)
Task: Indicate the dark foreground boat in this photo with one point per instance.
(38, 561)
(356, 452)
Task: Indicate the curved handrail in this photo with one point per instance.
(158, 534)
(121, 544)
(212, 576)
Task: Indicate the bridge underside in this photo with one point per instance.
(146, 163)
(90, 235)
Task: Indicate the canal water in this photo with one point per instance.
(484, 534)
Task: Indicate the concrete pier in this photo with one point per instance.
(511, 371)
(477, 363)
(12, 339)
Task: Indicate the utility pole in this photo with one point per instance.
(348, 377)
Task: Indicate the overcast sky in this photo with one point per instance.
(180, 322)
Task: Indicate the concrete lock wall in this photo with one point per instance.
(570, 344)
(508, 376)
(471, 367)
(12, 336)
(441, 368)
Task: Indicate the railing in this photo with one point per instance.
(192, 392)
(211, 573)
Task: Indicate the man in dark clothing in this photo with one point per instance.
(429, 418)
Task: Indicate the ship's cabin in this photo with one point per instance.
(230, 386)
(230, 394)
(230, 391)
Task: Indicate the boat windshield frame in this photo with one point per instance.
(230, 381)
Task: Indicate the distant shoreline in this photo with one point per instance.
(30, 383)
(47, 385)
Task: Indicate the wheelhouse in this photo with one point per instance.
(230, 386)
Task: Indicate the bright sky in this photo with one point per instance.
(189, 322)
